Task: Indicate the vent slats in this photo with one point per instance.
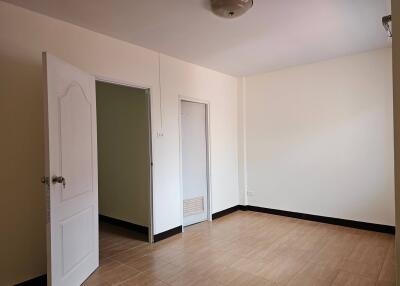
(193, 206)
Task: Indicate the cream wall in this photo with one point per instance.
(123, 152)
(319, 138)
(242, 178)
(23, 37)
(190, 81)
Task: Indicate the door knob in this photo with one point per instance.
(58, 179)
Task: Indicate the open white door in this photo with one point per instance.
(71, 173)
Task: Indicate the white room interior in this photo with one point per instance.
(311, 134)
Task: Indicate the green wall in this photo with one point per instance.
(123, 152)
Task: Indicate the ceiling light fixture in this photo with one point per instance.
(387, 24)
(230, 8)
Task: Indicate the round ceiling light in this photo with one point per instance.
(230, 8)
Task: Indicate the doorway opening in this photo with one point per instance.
(124, 166)
(195, 161)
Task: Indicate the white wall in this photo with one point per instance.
(241, 111)
(23, 37)
(320, 138)
(220, 91)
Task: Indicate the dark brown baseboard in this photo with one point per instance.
(37, 281)
(322, 219)
(124, 224)
(168, 233)
(225, 212)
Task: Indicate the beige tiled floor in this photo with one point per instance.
(248, 248)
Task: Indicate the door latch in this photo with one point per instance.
(59, 180)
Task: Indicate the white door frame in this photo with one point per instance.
(149, 91)
(208, 150)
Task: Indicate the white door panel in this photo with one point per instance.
(76, 141)
(71, 153)
(194, 162)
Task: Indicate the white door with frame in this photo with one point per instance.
(194, 162)
(71, 173)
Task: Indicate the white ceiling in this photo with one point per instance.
(274, 34)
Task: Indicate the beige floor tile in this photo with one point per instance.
(388, 272)
(111, 277)
(281, 270)
(319, 271)
(249, 265)
(184, 278)
(360, 268)
(349, 279)
(304, 280)
(164, 272)
(250, 249)
(143, 279)
(386, 283)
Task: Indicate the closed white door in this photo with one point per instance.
(71, 173)
(194, 162)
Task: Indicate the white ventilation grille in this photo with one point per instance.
(193, 206)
